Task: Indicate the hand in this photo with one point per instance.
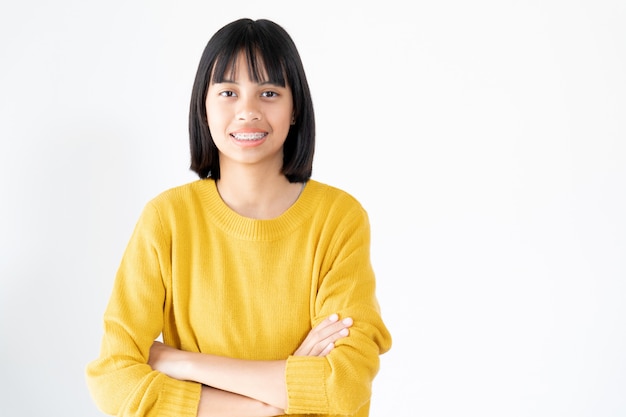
(321, 339)
(166, 359)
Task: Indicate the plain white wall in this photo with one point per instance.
(485, 138)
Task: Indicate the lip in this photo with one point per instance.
(248, 137)
(248, 130)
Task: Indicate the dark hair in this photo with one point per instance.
(270, 52)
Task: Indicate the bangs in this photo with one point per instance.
(263, 65)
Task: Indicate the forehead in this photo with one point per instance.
(241, 65)
(259, 68)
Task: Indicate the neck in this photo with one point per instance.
(258, 195)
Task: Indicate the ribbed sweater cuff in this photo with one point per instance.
(179, 398)
(306, 385)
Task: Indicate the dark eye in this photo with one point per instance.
(269, 94)
(227, 94)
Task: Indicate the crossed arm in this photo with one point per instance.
(243, 387)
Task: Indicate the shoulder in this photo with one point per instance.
(340, 217)
(336, 201)
(181, 194)
(333, 195)
(173, 207)
(177, 201)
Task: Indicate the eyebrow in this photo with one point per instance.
(229, 81)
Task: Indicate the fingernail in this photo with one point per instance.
(347, 321)
(333, 317)
(344, 332)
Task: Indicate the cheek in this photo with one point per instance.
(216, 116)
(215, 126)
(283, 117)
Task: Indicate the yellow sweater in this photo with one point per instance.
(213, 281)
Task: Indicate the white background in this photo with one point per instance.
(486, 139)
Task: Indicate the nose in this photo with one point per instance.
(248, 110)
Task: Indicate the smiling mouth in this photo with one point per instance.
(249, 136)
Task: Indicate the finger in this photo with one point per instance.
(331, 325)
(318, 334)
(321, 336)
(327, 349)
(326, 330)
(321, 340)
(320, 348)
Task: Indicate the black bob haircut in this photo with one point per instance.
(270, 53)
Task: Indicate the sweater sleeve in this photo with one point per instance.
(341, 382)
(120, 380)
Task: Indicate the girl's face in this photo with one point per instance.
(249, 121)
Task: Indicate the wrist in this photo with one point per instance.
(185, 364)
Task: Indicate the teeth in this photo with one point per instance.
(248, 136)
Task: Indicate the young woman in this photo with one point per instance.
(257, 277)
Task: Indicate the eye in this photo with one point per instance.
(269, 94)
(227, 93)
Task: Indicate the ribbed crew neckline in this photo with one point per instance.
(255, 229)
